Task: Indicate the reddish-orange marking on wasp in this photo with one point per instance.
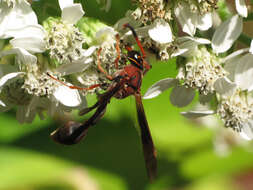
(125, 82)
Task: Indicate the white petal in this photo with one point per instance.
(181, 96)
(28, 31)
(230, 67)
(160, 32)
(68, 97)
(251, 47)
(185, 39)
(188, 44)
(204, 22)
(247, 131)
(224, 86)
(89, 51)
(196, 114)
(178, 52)
(241, 8)
(159, 87)
(226, 34)
(237, 53)
(65, 3)
(106, 35)
(185, 18)
(9, 78)
(33, 45)
(200, 40)
(23, 55)
(75, 67)
(244, 72)
(19, 16)
(73, 13)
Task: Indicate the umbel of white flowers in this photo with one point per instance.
(203, 72)
(56, 49)
(27, 77)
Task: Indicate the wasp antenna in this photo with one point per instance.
(136, 38)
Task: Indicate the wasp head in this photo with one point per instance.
(135, 59)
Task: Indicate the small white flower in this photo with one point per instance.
(148, 11)
(63, 39)
(190, 18)
(106, 40)
(30, 84)
(234, 96)
(15, 15)
(106, 36)
(201, 70)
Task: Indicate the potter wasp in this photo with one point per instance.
(124, 83)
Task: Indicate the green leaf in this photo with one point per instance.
(207, 162)
(217, 182)
(22, 168)
(11, 130)
(46, 8)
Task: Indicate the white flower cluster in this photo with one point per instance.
(225, 82)
(45, 66)
(51, 67)
(27, 82)
(64, 42)
(201, 71)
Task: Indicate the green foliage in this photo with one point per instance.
(88, 27)
(223, 10)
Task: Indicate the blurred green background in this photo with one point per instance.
(110, 158)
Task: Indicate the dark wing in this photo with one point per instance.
(72, 132)
(147, 142)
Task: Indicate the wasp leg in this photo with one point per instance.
(109, 77)
(72, 86)
(116, 62)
